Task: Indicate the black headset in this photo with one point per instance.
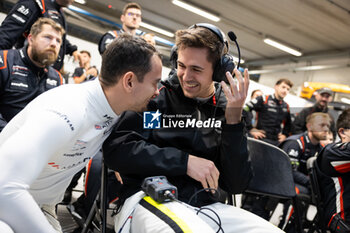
(226, 62)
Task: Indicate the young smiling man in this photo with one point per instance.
(62, 129)
(197, 159)
(131, 19)
(26, 73)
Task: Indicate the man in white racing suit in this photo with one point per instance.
(54, 137)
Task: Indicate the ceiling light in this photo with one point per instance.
(282, 47)
(80, 1)
(196, 10)
(156, 29)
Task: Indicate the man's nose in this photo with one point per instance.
(185, 75)
(156, 93)
(54, 43)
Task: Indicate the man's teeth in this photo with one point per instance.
(191, 85)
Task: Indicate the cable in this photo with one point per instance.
(200, 210)
(201, 190)
(217, 100)
(171, 196)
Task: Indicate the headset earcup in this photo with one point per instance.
(173, 57)
(226, 64)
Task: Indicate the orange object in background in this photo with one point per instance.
(341, 93)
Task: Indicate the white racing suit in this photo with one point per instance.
(141, 214)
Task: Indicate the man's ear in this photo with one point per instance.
(341, 132)
(30, 38)
(308, 126)
(128, 81)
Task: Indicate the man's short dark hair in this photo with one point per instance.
(312, 117)
(126, 53)
(344, 120)
(131, 5)
(286, 81)
(200, 37)
(253, 92)
(87, 52)
(37, 27)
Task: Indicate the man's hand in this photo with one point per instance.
(281, 137)
(258, 133)
(92, 71)
(77, 57)
(235, 95)
(119, 178)
(204, 171)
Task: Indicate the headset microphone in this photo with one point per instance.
(233, 37)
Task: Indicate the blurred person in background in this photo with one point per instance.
(251, 116)
(323, 97)
(85, 72)
(300, 148)
(131, 19)
(328, 140)
(149, 38)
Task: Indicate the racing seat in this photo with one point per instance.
(99, 208)
(272, 175)
(319, 224)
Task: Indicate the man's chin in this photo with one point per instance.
(49, 60)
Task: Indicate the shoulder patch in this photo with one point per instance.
(41, 4)
(3, 60)
(18, 18)
(24, 10)
(293, 153)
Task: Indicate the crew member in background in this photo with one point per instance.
(300, 148)
(328, 140)
(16, 26)
(251, 116)
(85, 72)
(149, 38)
(273, 112)
(26, 73)
(323, 96)
(334, 178)
(131, 19)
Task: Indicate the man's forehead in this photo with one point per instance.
(46, 28)
(325, 95)
(283, 84)
(133, 10)
(193, 53)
